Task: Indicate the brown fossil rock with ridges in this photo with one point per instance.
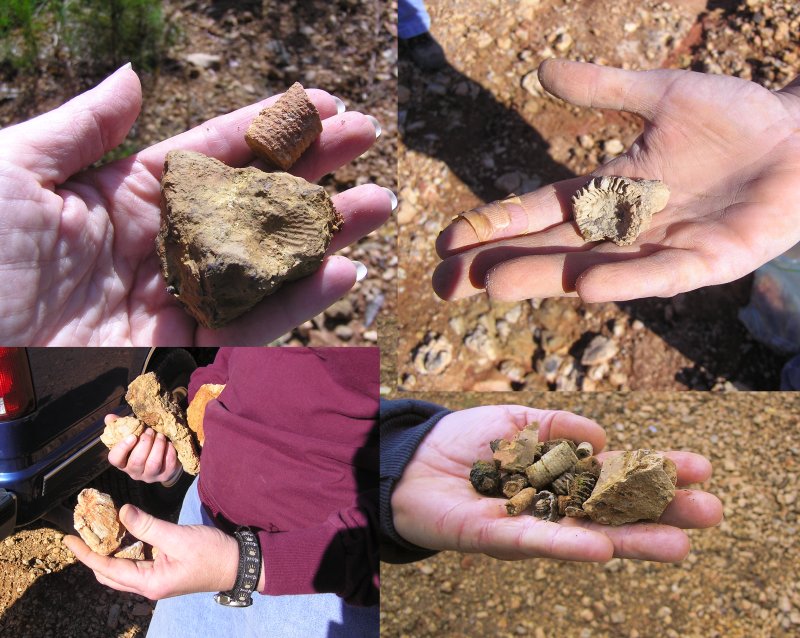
(157, 410)
(231, 236)
(97, 521)
(120, 428)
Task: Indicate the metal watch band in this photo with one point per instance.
(249, 571)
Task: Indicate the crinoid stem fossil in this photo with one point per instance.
(557, 461)
(520, 501)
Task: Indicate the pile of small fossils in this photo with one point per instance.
(559, 478)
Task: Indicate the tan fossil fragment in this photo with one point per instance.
(633, 486)
(520, 501)
(617, 208)
(553, 464)
(120, 428)
(584, 450)
(134, 551)
(97, 521)
(280, 133)
(157, 410)
(196, 411)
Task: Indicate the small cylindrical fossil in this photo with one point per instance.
(561, 484)
(545, 506)
(584, 450)
(557, 461)
(512, 484)
(549, 445)
(580, 490)
(485, 477)
(520, 501)
(563, 503)
(590, 464)
(282, 132)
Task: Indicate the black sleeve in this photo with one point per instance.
(404, 424)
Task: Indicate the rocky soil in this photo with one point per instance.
(483, 127)
(741, 579)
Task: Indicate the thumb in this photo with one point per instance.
(60, 143)
(604, 87)
(148, 528)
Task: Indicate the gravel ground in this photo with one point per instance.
(483, 127)
(741, 579)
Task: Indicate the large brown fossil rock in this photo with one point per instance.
(97, 521)
(231, 236)
(157, 410)
(634, 486)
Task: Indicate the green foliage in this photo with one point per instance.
(95, 35)
(104, 34)
(20, 28)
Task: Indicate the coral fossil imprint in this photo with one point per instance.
(97, 521)
(559, 478)
(617, 208)
(231, 236)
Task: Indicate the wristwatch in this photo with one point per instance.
(249, 571)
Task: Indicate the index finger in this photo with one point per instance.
(223, 137)
(128, 573)
(510, 217)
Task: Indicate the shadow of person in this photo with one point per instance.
(488, 145)
(70, 602)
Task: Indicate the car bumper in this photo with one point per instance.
(8, 513)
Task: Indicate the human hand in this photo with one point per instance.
(436, 507)
(190, 559)
(149, 457)
(729, 151)
(79, 245)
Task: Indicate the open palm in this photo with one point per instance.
(435, 507)
(729, 151)
(78, 264)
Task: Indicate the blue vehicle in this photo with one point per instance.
(52, 404)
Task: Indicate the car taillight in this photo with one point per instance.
(16, 389)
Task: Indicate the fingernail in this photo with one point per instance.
(127, 67)
(340, 107)
(160, 436)
(149, 432)
(392, 197)
(130, 439)
(377, 125)
(131, 514)
(361, 270)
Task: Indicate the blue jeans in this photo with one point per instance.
(412, 18)
(302, 616)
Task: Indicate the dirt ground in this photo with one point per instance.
(483, 127)
(741, 579)
(347, 47)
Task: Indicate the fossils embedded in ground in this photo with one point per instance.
(156, 409)
(282, 132)
(231, 236)
(617, 208)
(632, 486)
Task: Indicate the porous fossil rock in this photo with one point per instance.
(617, 208)
(134, 551)
(120, 428)
(197, 408)
(157, 410)
(231, 236)
(280, 133)
(97, 521)
(634, 486)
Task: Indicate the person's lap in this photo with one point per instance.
(306, 616)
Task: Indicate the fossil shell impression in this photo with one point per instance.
(617, 208)
(97, 521)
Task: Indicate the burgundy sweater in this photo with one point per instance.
(291, 450)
